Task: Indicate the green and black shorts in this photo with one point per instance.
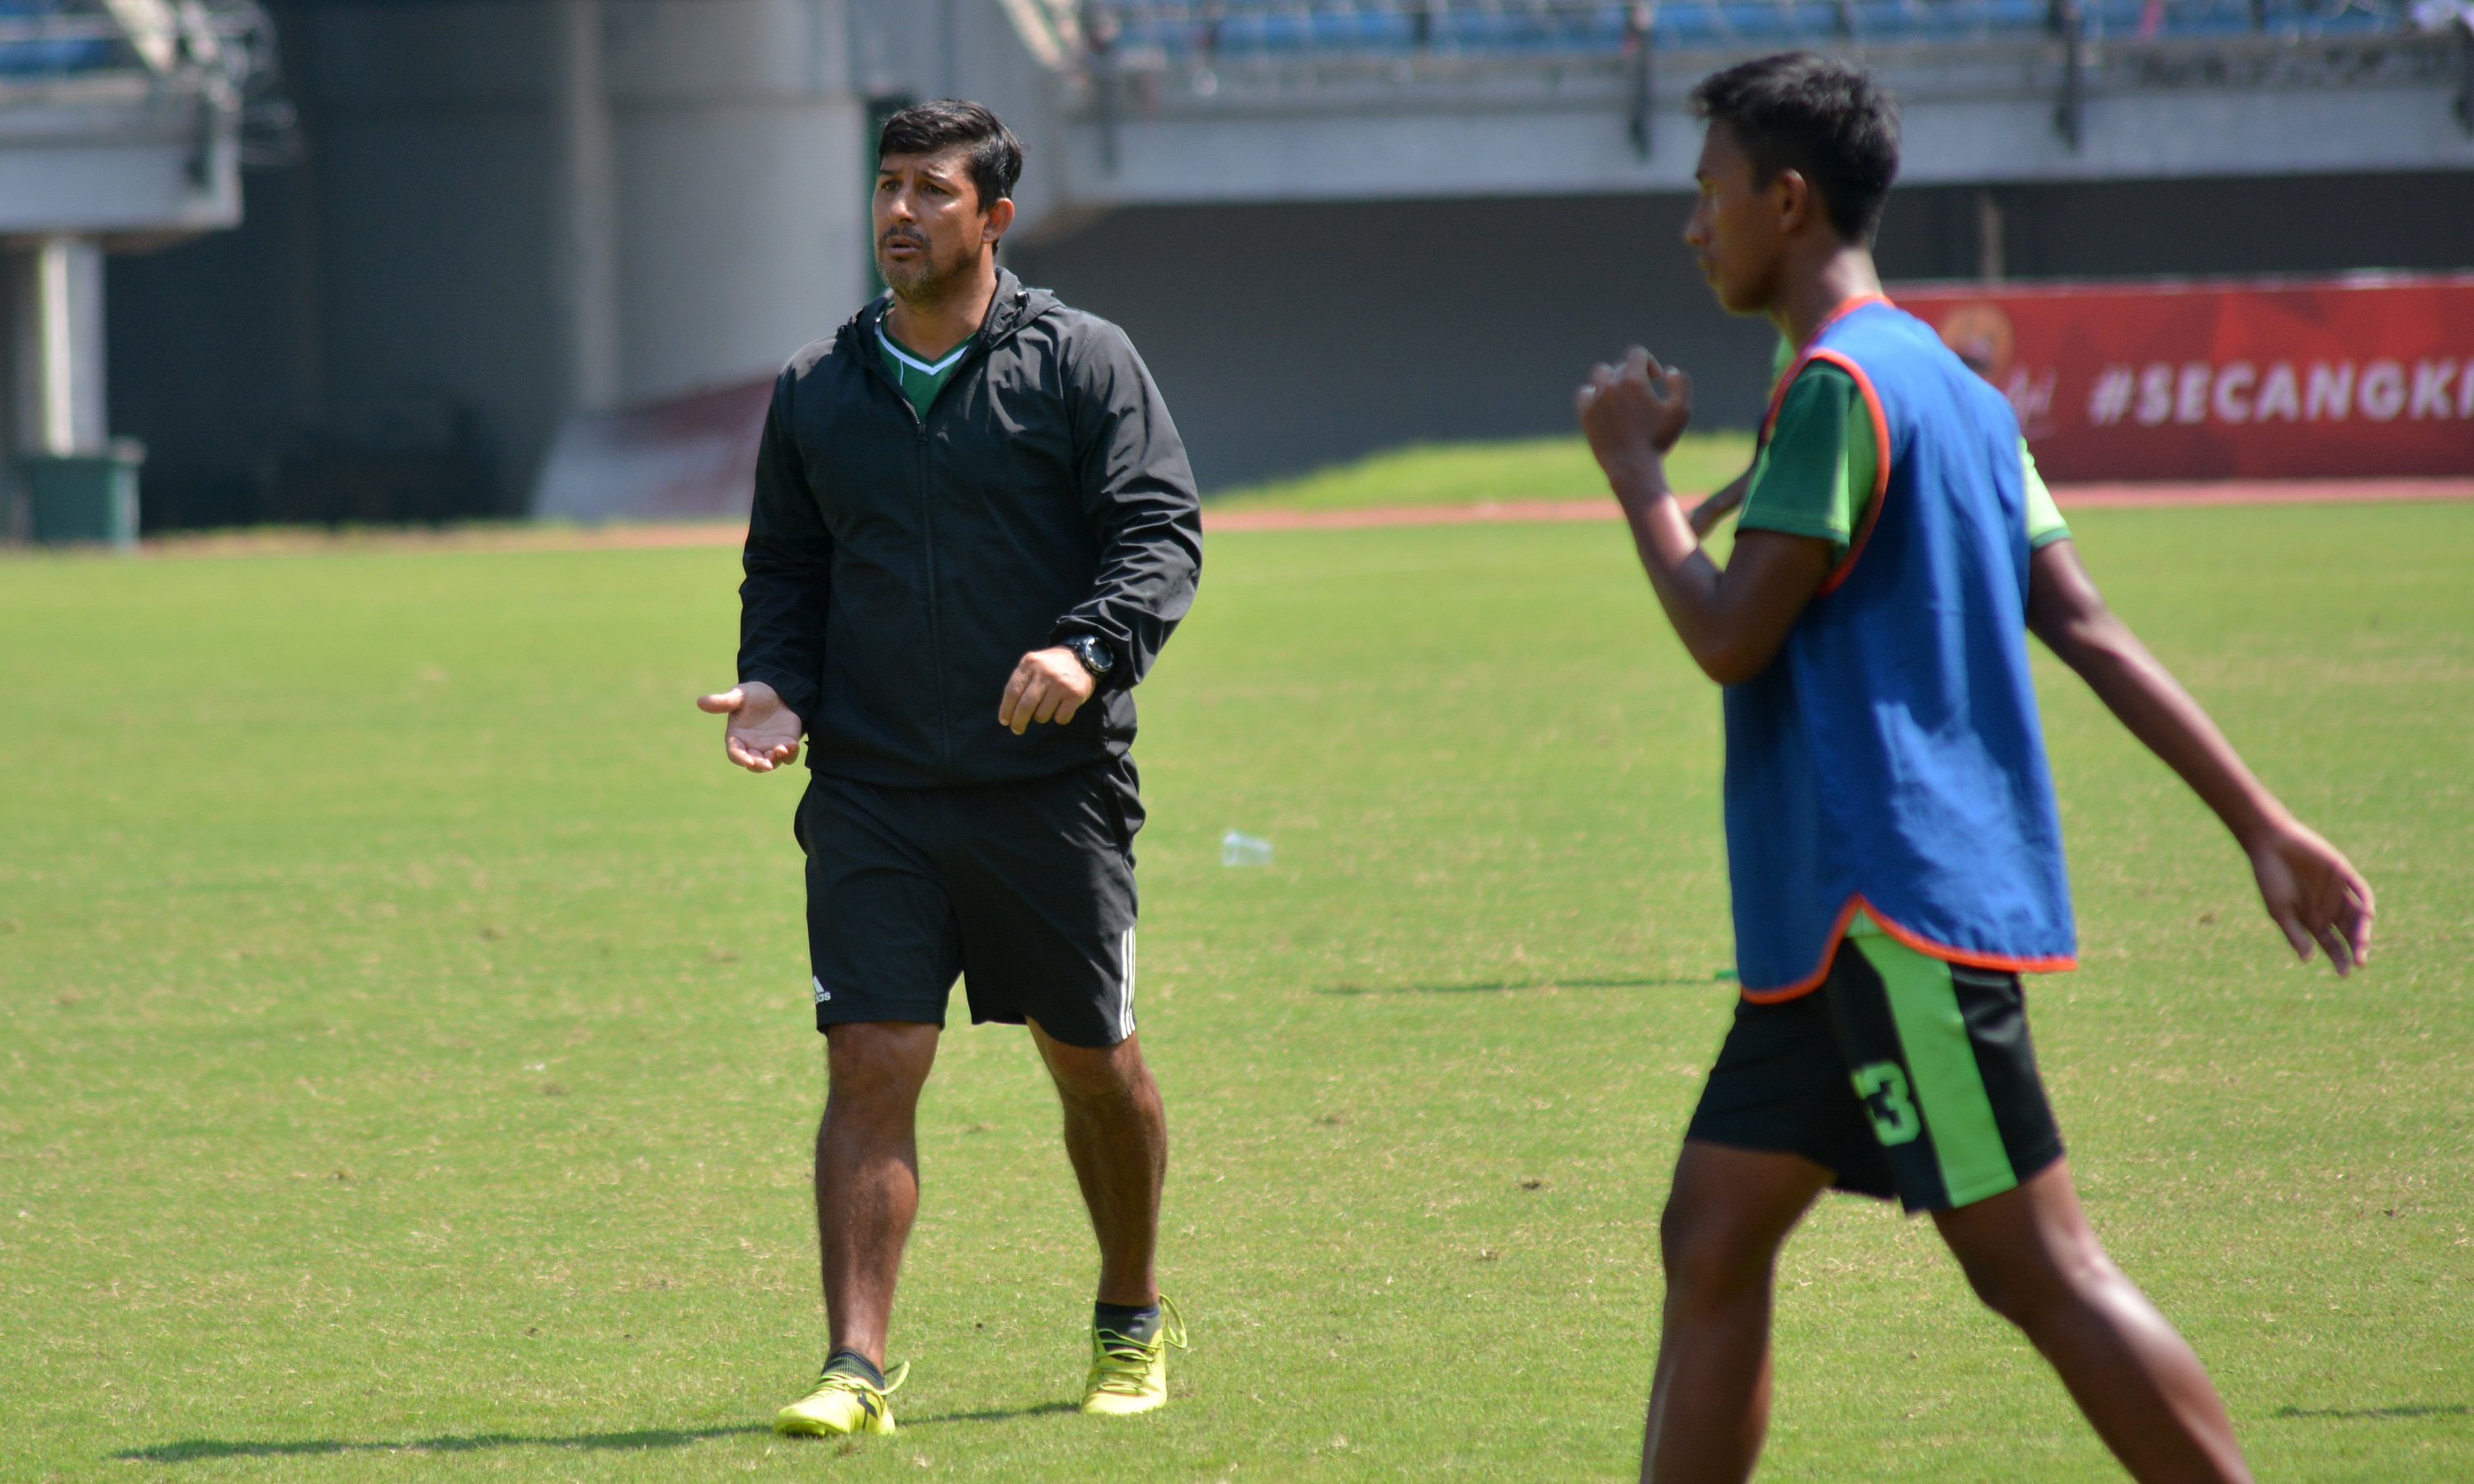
(1902, 1075)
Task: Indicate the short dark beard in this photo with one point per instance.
(925, 288)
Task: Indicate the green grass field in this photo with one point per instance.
(408, 1070)
(1522, 469)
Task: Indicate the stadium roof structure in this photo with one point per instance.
(121, 124)
(1234, 100)
(125, 116)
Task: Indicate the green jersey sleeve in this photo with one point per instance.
(2044, 517)
(1815, 474)
(1814, 477)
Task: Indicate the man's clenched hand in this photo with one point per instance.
(1632, 414)
(1048, 686)
(763, 733)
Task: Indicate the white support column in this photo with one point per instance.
(58, 351)
(585, 240)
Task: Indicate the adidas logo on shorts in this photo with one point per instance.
(822, 994)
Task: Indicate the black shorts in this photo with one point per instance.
(1902, 1075)
(1026, 890)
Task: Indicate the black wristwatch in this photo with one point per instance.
(1096, 657)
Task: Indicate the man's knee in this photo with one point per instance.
(2035, 1274)
(1727, 1215)
(879, 1061)
(1709, 1251)
(1097, 1074)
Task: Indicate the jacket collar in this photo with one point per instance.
(1013, 307)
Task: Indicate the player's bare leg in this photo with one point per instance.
(1726, 1218)
(867, 1172)
(2030, 1254)
(1116, 1135)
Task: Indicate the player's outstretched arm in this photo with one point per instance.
(763, 733)
(2309, 888)
(1731, 620)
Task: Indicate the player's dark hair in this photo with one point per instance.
(1823, 118)
(933, 127)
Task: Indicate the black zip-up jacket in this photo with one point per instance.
(898, 569)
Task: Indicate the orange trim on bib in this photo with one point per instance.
(1813, 981)
(2053, 964)
(1880, 467)
(1777, 393)
(2006, 963)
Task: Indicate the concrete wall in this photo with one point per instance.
(741, 202)
(1285, 337)
(1290, 336)
(215, 354)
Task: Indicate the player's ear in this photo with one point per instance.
(1791, 195)
(999, 217)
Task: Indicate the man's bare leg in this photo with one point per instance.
(2030, 1254)
(1727, 1216)
(867, 1172)
(1117, 1136)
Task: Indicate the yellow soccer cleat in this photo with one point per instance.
(843, 1402)
(1130, 1376)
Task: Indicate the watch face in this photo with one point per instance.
(1094, 654)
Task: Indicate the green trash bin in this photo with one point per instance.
(84, 496)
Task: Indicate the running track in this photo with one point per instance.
(2296, 491)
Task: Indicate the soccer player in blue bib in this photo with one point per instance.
(1894, 848)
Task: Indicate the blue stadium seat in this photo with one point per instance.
(23, 55)
(1192, 30)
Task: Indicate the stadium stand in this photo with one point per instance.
(123, 123)
(1222, 30)
(1489, 150)
(1145, 58)
(1264, 100)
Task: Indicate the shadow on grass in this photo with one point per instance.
(2375, 1413)
(192, 1449)
(1509, 986)
(1044, 1410)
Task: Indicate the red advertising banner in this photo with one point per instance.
(2365, 375)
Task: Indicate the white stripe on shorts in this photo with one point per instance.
(1126, 985)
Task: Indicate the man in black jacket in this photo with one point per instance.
(974, 529)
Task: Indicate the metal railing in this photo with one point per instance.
(1125, 57)
(1205, 31)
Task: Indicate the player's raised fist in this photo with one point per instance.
(1635, 410)
(763, 733)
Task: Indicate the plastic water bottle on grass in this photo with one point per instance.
(1239, 848)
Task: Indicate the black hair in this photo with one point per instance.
(1821, 117)
(931, 128)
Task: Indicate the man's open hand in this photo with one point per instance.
(2316, 894)
(1048, 686)
(1634, 412)
(763, 733)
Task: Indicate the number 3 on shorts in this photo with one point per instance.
(1884, 1088)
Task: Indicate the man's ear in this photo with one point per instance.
(999, 218)
(1791, 195)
